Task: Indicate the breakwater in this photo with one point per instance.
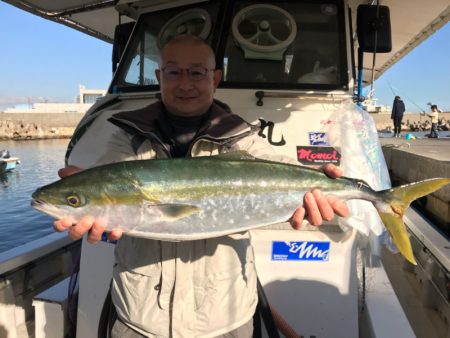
(410, 122)
(32, 126)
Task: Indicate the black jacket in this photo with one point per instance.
(223, 127)
(398, 108)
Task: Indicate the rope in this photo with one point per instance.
(391, 145)
(282, 325)
(273, 321)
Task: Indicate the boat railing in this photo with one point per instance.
(26, 271)
(17, 257)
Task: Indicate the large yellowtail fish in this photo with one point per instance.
(203, 197)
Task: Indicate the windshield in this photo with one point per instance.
(289, 44)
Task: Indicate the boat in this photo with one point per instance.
(7, 163)
(371, 106)
(297, 85)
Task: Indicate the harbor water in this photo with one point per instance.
(40, 161)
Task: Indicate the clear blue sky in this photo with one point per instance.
(42, 60)
(420, 77)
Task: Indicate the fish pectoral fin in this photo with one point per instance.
(173, 212)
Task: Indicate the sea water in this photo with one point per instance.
(39, 164)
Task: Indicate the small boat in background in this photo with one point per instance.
(7, 163)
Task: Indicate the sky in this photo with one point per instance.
(421, 76)
(43, 61)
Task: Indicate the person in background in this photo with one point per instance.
(438, 109)
(204, 288)
(398, 109)
(434, 121)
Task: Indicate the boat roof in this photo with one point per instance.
(412, 21)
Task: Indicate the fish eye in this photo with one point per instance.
(74, 200)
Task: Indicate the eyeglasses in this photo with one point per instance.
(196, 73)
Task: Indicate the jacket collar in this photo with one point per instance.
(222, 123)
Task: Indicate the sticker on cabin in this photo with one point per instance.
(318, 139)
(300, 251)
(269, 126)
(318, 155)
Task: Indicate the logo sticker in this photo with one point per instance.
(318, 155)
(300, 251)
(270, 127)
(318, 139)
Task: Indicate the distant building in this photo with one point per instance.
(84, 101)
(90, 96)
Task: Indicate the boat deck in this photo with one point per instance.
(425, 320)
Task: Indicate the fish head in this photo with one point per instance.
(74, 196)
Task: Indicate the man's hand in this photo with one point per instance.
(316, 207)
(94, 227)
(67, 171)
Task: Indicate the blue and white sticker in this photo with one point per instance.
(318, 139)
(300, 251)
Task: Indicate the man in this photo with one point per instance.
(434, 121)
(201, 288)
(398, 109)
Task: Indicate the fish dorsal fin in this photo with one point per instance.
(172, 212)
(235, 155)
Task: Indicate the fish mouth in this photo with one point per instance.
(46, 208)
(37, 204)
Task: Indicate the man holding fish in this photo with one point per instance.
(202, 288)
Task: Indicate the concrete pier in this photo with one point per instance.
(416, 160)
(384, 122)
(30, 126)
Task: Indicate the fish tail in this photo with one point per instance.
(396, 201)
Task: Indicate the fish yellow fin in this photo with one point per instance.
(396, 228)
(410, 192)
(396, 201)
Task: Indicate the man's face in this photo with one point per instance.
(185, 95)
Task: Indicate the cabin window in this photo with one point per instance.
(291, 44)
(267, 44)
(141, 59)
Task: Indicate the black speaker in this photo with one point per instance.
(373, 25)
